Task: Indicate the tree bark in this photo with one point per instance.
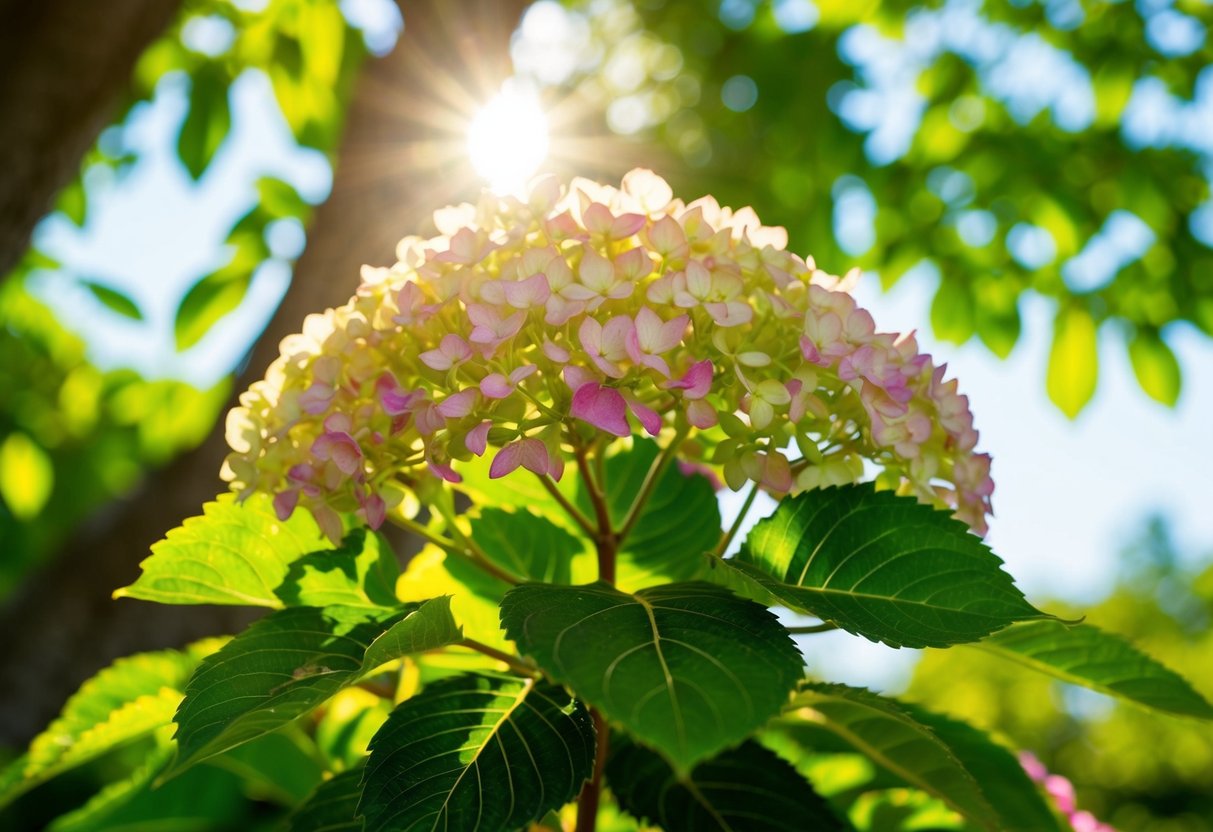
(62, 624)
(65, 65)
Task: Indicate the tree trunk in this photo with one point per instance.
(62, 625)
(65, 65)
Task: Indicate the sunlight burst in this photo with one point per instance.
(508, 139)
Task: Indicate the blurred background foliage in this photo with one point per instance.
(1055, 147)
(1129, 768)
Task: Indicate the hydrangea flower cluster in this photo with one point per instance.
(533, 327)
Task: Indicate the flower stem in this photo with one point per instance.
(605, 538)
(515, 663)
(728, 536)
(650, 482)
(467, 550)
(570, 509)
(812, 628)
(587, 801)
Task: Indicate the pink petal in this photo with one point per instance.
(534, 291)
(575, 377)
(477, 438)
(315, 400)
(496, 386)
(458, 405)
(374, 510)
(329, 522)
(697, 382)
(701, 414)
(626, 225)
(341, 448)
(443, 471)
(393, 399)
(555, 352)
(523, 372)
(535, 456)
(285, 502)
(506, 460)
(602, 407)
(646, 415)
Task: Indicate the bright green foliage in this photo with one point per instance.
(921, 580)
(1005, 785)
(124, 702)
(1085, 655)
(477, 751)
(688, 668)
(289, 662)
(235, 553)
(747, 787)
(887, 733)
(207, 122)
(332, 807)
(114, 300)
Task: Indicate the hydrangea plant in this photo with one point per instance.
(549, 395)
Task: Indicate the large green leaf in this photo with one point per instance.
(897, 742)
(208, 121)
(526, 545)
(127, 700)
(1085, 655)
(361, 572)
(479, 751)
(680, 521)
(1016, 800)
(746, 788)
(332, 807)
(235, 553)
(882, 566)
(289, 662)
(688, 668)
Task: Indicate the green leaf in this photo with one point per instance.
(208, 121)
(332, 807)
(213, 297)
(748, 787)
(897, 742)
(1073, 360)
(530, 547)
(362, 572)
(478, 751)
(1085, 655)
(680, 521)
(113, 300)
(952, 312)
(904, 810)
(688, 668)
(205, 798)
(1156, 367)
(291, 661)
(235, 553)
(73, 201)
(127, 700)
(1016, 800)
(879, 565)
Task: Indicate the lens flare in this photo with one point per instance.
(508, 139)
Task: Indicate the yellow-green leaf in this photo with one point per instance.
(1156, 367)
(1073, 361)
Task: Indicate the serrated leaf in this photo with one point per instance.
(1016, 800)
(1085, 655)
(1073, 361)
(478, 751)
(746, 788)
(127, 700)
(208, 120)
(530, 547)
(1156, 367)
(879, 565)
(95, 812)
(332, 807)
(291, 661)
(361, 572)
(113, 300)
(235, 553)
(895, 741)
(688, 668)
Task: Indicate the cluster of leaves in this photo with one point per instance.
(761, 114)
(485, 686)
(1138, 773)
(73, 435)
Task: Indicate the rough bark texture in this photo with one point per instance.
(64, 68)
(62, 626)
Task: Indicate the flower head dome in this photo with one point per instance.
(531, 327)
